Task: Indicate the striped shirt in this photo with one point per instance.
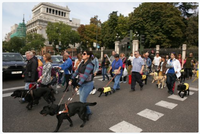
(87, 72)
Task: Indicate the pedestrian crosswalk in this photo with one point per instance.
(125, 127)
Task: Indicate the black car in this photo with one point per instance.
(13, 64)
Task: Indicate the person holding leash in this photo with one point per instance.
(117, 71)
(85, 72)
(173, 72)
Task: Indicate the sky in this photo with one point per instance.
(12, 12)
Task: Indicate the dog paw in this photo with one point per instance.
(55, 130)
(71, 125)
(82, 125)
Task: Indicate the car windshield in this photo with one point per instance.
(12, 57)
(56, 60)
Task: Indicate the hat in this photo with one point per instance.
(116, 55)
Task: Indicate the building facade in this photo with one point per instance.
(47, 12)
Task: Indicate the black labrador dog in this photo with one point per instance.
(64, 111)
(104, 90)
(183, 87)
(33, 97)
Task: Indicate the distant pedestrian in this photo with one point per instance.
(117, 72)
(124, 60)
(189, 66)
(112, 58)
(67, 67)
(95, 62)
(173, 72)
(156, 62)
(147, 65)
(105, 64)
(137, 70)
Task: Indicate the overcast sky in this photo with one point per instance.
(12, 12)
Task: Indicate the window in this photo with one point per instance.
(56, 12)
(61, 13)
(64, 14)
(47, 10)
(53, 11)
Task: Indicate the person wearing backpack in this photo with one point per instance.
(67, 67)
(45, 79)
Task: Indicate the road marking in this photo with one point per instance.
(125, 127)
(194, 89)
(177, 97)
(7, 95)
(150, 114)
(13, 88)
(166, 104)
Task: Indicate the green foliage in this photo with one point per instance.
(89, 34)
(34, 42)
(14, 45)
(192, 31)
(61, 34)
(161, 23)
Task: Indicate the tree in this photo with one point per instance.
(15, 44)
(192, 31)
(109, 30)
(61, 34)
(34, 41)
(88, 35)
(186, 8)
(161, 23)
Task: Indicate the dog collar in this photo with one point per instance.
(65, 110)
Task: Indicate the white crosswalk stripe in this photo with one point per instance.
(177, 97)
(150, 114)
(166, 104)
(125, 127)
(194, 89)
(191, 93)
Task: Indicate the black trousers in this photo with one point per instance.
(188, 72)
(67, 77)
(136, 77)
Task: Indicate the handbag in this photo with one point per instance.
(129, 79)
(125, 72)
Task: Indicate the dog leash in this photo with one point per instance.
(110, 80)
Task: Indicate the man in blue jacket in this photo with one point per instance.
(67, 67)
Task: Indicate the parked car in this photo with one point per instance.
(13, 64)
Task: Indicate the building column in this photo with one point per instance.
(157, 48)
(102, 49)
(184, 47)
(117, 47)
(135, 45)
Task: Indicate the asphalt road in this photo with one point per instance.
(121, 108)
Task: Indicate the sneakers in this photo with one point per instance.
(93, 91)
(124, 82)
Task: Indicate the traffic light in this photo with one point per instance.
(142, 38)
(128, 45)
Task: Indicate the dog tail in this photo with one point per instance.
(90, 104)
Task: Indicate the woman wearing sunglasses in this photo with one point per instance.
(85, 73)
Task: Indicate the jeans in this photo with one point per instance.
(104, 73)
(116, 84)
(171, 78)
(27, 87)
(84, 91)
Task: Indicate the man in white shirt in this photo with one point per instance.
(131, 57)
(156, 61)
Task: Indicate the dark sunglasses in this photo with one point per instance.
(84, 53)
(135, 54)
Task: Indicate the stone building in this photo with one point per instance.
(47, 12)
(13, 30)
